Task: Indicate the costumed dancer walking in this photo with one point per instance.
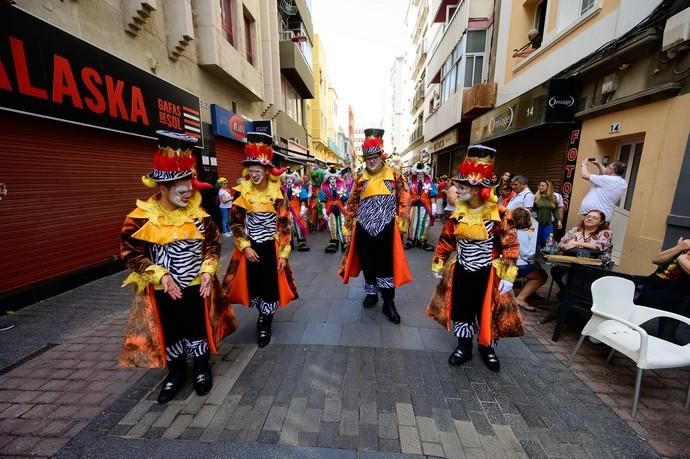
(476, 260)
(333, 194)
(259, 274)
(423, 194)
(172, 247)
(377, 212)
(317, 219)
(346, 175)
(298, 202)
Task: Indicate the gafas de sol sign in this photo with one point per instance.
(47, 72)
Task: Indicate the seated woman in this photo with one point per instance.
(527, 270)
(592, 237)
(669, 286)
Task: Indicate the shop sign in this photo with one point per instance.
(264, 127)
(225, 123)
(569, 170)
(47, 72)
(445, 141)
(552, 102)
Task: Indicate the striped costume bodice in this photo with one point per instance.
(181, 258)
(475, 255)
(376, 212)
(261, 226)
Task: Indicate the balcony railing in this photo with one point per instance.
(478, 99)
(417, 133)
(451, 37)
(301, 39)
(418, 98)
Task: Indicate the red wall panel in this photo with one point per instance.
(229, 155)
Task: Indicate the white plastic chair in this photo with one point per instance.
(616, 322)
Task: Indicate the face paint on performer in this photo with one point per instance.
(332, 181)
(179, 193)
(289, 181)
(373, 162)
(257, 174)
(420, 177)
(464, 193)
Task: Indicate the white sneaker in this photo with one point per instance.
(227, 234)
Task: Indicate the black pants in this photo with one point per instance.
(668, 296)
(469, 288)
(376, 258)
(262, 277)
(184, 323)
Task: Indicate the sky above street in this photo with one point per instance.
(361, 38)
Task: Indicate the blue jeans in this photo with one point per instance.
(543, 235)
(225, 217)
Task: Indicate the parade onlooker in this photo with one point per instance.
(504, 180)
(607, 187)
(559, 201)
(451, 195)
(546, 206)
(224, 204)
(668, 288)
(590, 238)
(529, 271)
(506, 194)
(523, 195)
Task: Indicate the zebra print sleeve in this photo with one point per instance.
(133, 251)
(210, 250)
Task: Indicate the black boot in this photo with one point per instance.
(343, 246)
(408, 245)
(370, 301)
(489, 357)
(302, 246)
(203, 381)
(263, 328)
(428, 247)
(177, 370)
(389, 310)
(332, 247)
(462, 353)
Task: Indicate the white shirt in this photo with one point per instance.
(559, 200)
(528, 243)
(604, 194)
(224, 195)
(525, 199)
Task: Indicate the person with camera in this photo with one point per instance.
(607, 187)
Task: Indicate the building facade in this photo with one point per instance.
(394, 101)
(85, 87)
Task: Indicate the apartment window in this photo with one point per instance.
(248, 36)
(474, 57)
(226, 19)
(586, 6)
(450, 72)
(292, 101)
(540, 17)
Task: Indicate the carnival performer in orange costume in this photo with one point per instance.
(333, 195)
(423, 194)
(298, 202)
(172, 247)
(259, 274)
(377, 212)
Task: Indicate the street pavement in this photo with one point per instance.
(337, 381)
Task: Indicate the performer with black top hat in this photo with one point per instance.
(377, 212)
(423, 194)
(473, 296)
(259, 274)
(172, 247)
(298, 202)
(333, 194)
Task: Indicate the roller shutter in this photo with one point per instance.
(69, 189)
(229, 155)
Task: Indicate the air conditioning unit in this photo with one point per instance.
(677, 30)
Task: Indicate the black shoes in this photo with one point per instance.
(172, 384)
(428, 247)
(462, 353)
(408, 245)
(263, 328)
(370, 301)
(390, 311)
(343, 247)
(203, 381)
(302, 246)
(332, 247)
(489, 357)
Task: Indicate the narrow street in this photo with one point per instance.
(336, 381)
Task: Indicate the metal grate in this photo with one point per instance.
(31, 356)
(288, 7)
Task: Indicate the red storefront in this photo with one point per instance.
(229, 135)
(77, 132)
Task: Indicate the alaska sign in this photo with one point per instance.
(47, 72)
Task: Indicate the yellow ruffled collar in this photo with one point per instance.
(470, 222)
(386, 173)
(156, 215)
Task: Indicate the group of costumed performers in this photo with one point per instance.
(172, 247)
(333, 194)
(423, 194)
(475, 259)
(376, 214)
(298, 196)
(259, 274)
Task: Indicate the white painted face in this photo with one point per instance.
(289, 181)
(464, 193)
(332, 180)
(180, 193)
(420, 176)
(257, 174)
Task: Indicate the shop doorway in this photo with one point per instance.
(630, 153)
